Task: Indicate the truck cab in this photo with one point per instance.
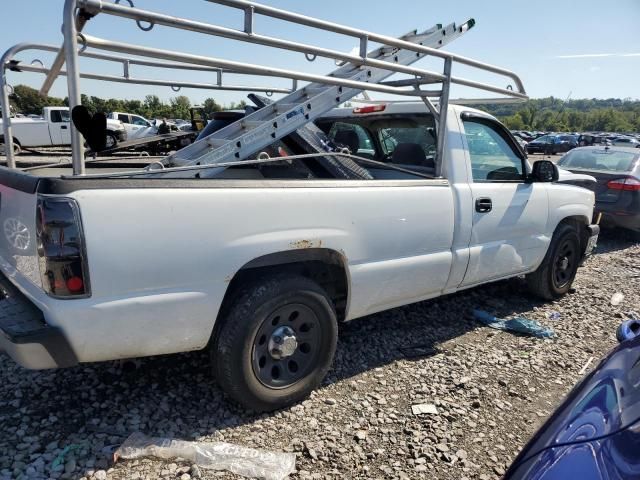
(135, 125)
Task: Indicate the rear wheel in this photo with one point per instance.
(276, 342)
(16, 147)
(555, 275)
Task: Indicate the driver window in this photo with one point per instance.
(492, 158)
(139, 121)
(60, 116)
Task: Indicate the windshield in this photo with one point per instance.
(610, 160)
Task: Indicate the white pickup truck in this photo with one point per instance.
(52, 129)
(260, 262)
(135, 125)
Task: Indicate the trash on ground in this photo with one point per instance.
(617, 298)
(424, 408)
(244, 461)
(518, 324)
(554, 315)
(417, 351)
(61, 458)
(585, 366)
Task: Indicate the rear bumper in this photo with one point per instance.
(622, 220)
(592, 242)
(26, 337)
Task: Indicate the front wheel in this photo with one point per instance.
(276, 342)
(111, 141)
(555, 275)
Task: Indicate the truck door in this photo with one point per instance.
(139, 127)
(509, 214)
(128, 126)
(59, 127)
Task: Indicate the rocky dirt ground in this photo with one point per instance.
(491, 389)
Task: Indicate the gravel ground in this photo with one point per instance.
(491, 389)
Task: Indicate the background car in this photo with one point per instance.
(617, 187)
(590, 139)
(595, 433)
(625, 142)
(552, 144)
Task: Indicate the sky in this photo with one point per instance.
(561, 48)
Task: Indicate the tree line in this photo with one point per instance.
(583, 115)
(27, 100)
(549, 114)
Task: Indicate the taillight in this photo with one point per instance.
(629, 184)
(61, 252)
(370, 109)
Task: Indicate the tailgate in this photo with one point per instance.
(18, 200)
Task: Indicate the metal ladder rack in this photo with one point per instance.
(263, 127)
(8, 61)
(359, 72)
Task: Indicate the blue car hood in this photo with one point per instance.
(603, 408)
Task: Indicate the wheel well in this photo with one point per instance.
(581, 225)
(15, 140)
(324, 266)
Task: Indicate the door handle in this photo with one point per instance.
(483, 205)
(63, 127)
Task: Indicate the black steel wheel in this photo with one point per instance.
(556, 273)
(286, 346)
(564, 263)
(275, 342)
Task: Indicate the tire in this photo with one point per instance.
(265, 365)
(112, 141)
(16, 147)
(556, 273)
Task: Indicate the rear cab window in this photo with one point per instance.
(407, 141)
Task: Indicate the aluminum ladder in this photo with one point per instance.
(258, 130)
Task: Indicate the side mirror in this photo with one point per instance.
(544, 171)
(627, 330)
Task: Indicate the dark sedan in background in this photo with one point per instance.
(552, 144)
(617, 187)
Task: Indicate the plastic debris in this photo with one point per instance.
(518, 324)
(553, 315)
(60, 459)
(417, 351)
(585, 366)
(244, 461)
(424, 408)
(617, 298)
